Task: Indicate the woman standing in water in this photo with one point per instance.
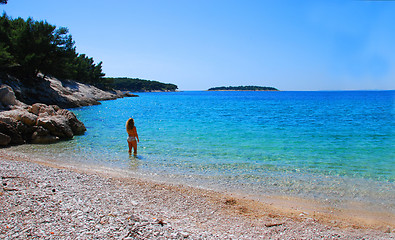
(133, 136)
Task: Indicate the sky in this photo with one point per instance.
(197, 44)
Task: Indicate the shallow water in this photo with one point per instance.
(328, 146)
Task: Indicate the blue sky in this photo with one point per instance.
(198, 44)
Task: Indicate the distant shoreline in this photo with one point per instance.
(243, 88)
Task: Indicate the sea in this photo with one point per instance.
(328, 146)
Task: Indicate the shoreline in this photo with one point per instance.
(243, 90)
(176, 209)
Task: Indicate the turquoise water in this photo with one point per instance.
(334, 146)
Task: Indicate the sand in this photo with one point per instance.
(56, 201)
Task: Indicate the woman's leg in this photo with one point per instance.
(130, 147)
(134, 145)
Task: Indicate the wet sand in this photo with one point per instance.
(41, 199)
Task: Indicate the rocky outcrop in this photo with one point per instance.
(76, 126)
(7, 97)
(51, 91)
(44, 121)
(39, 123)
(11, 130)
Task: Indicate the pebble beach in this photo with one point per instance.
(48, 201)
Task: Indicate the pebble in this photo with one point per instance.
(87, 206)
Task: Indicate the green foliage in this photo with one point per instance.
(5, 56)
(135, 85)
(29, 47)
(243, 88)
(86, 71)
(6, 59)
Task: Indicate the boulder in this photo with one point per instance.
(48, 110)
(76, 126)
(57, 126)
(25, 130)
(7, 96)
(38, 123)
(43, 136)
(18, 119)
(35, 108)
(4, 139)
(22, 115)
(55, 107)
(39, 131)
(28, 118)
(41, 109)
(12, 132)
(8, 119)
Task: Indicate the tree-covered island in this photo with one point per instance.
(243, 88)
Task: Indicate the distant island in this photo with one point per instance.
(243, 88)
(135, 85)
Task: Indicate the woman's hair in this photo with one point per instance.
(130, 124)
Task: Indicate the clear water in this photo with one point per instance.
(330, 146)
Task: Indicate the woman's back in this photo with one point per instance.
(132, 131)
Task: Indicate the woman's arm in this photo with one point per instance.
(137, 136)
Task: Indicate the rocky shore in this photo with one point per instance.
(48, 201)
(38, 123)
(44, 121)
(52, 91)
